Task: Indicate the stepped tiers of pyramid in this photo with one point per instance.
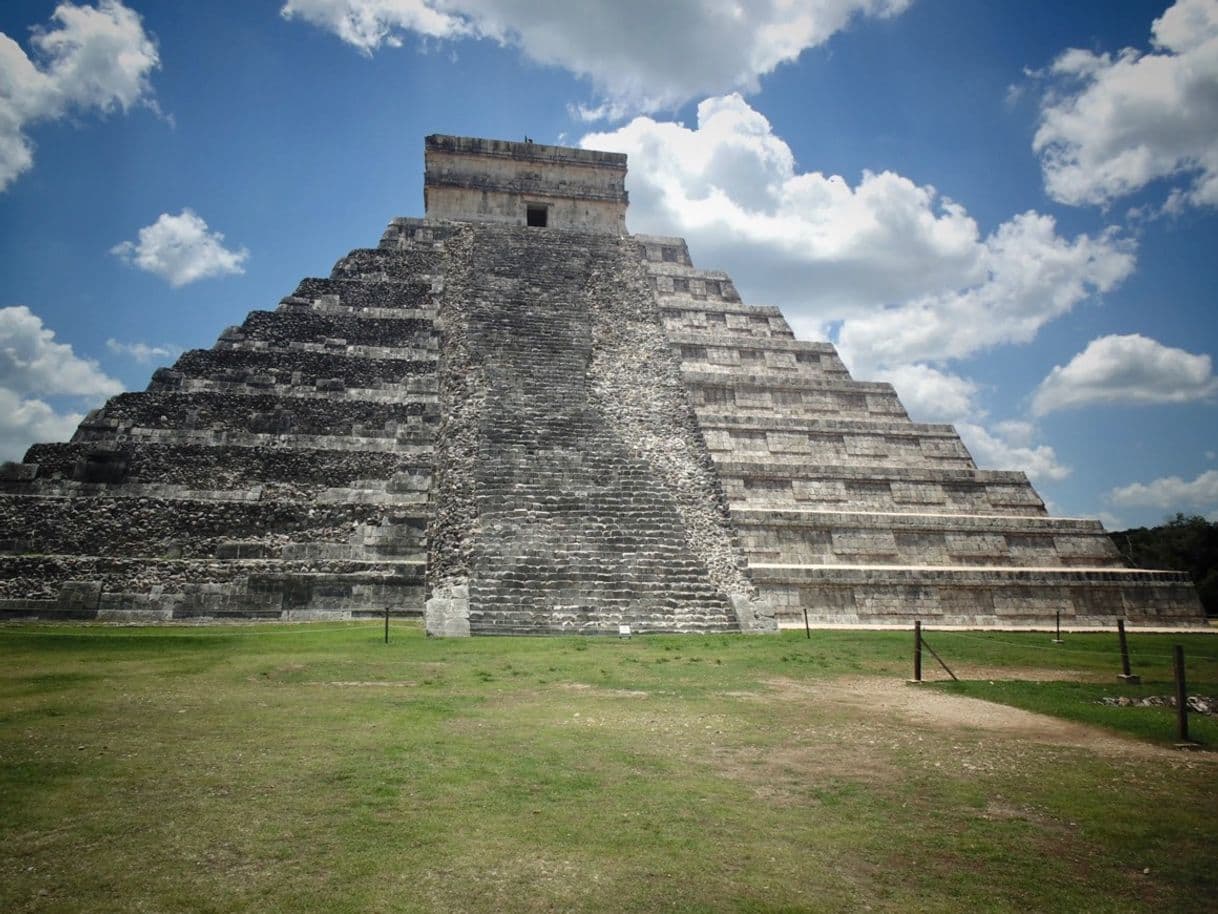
(513, 417)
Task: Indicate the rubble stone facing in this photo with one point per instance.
(284, 473)
(565, 487)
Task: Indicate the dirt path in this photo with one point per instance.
(932, 708)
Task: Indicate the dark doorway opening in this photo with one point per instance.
(535, 215)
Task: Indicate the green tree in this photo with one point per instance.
(1184, 543)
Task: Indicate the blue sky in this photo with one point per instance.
(1008, 209)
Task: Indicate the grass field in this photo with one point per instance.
(297, 768)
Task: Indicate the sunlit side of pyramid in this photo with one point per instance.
(513, 417)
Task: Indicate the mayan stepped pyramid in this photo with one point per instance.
(513, 417)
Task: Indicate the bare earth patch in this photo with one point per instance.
(933, 708)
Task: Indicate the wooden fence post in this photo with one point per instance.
(1126, 676)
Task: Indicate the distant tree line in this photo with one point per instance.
(1184, 543)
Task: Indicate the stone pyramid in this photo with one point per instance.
(513, 417)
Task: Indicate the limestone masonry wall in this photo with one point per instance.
(510, 428)
(849, 511)
(284, 473)
(496, 181)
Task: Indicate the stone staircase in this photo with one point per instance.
(849, 511)
(569, 527)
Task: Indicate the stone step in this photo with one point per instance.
(833, 538)
(798, 398)
(390, 265)
(781, 449)
(294, 325)
(253, 413)
(47, 577)
(171, 528)
(677, 279)
(420, 391)
(975, 596)
(279, 367)
(399, 298)
(421, 348)
(409, 442)
(763, 319)
(880, 425)
(715, 337)
(916, 490)
(408, 233)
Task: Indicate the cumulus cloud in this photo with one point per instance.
(931, 394)
(34, 366)
(639, 56)
(1126, 369)
(1009, 445)
(368, 24)
(730, 185)
(1032, 275)
(26, 421)
(142, 352)
(180, 249)
(1171, 493)
(31, 361)
(905, 271)
(1111, 124)
(90, 59)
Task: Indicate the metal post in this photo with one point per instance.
(807, 627)
(1181, 697)
(1058, 639)
(386, 624)
(917, 651)
(1126, 676)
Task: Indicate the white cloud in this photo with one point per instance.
(1111, 521)
(640, 56)
(32, 362)
(1171, 493)
(92, 59)
(181, 250)
(33, 366)
(26, 421)
(1032, 275)
(906, 271)
(142, 352)
(932, 395)
(367, 24)
(1126, 369)
(1110, 125)
(731, 187)
(1008, 446)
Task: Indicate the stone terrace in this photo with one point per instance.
(283, 474)
(851, 512)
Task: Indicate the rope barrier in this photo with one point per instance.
(1099, 649)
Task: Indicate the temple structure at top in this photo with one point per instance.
(525, 184)
(513, 417)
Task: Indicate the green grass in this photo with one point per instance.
(276, 768)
